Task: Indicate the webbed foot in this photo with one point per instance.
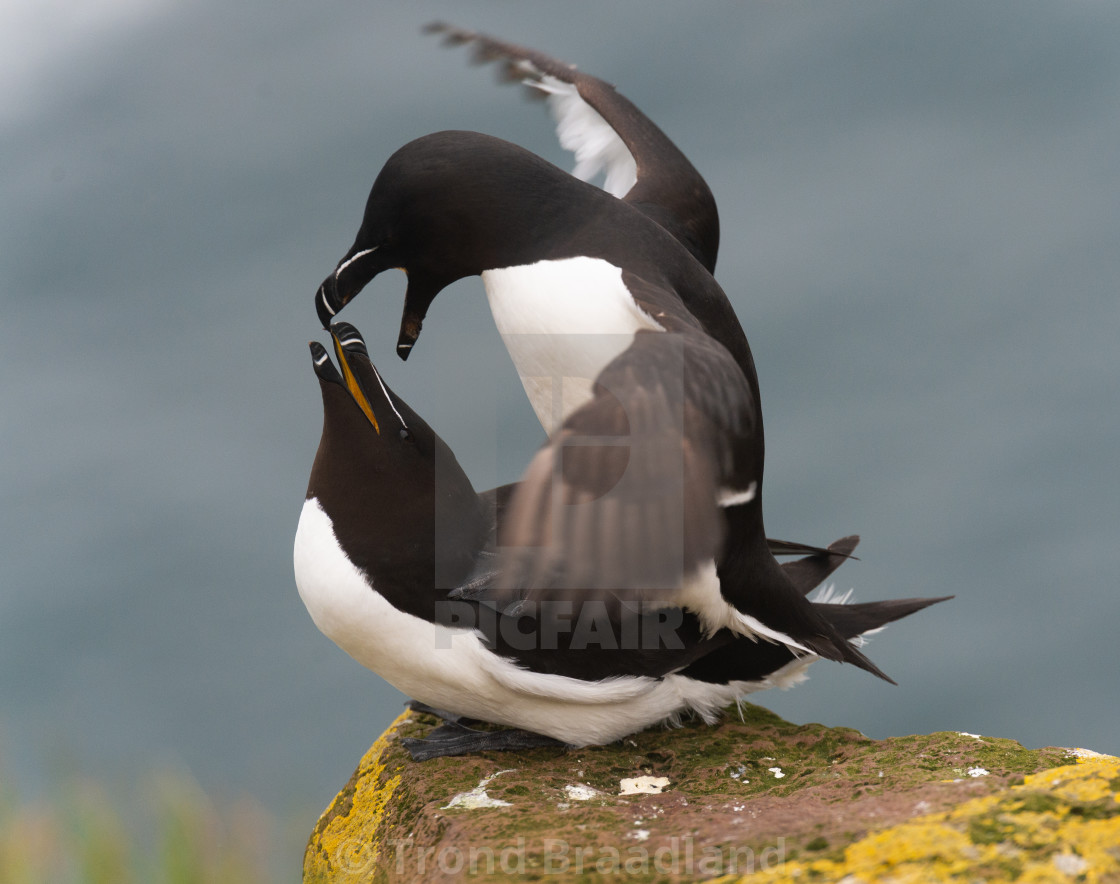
(454, 738)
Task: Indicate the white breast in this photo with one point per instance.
(356, 617)
(562, 322)
(450, 668)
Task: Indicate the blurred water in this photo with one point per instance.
(920, 228)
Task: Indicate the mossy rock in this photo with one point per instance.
(753, 799)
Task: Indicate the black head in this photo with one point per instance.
(401, 506)
(375, 426)
(447, 206)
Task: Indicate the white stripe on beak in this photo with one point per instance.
(323, 298)
(351, 260)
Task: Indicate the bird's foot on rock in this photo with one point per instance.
(454, 738)
(441, 714)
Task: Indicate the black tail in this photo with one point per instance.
(793, 548)
(810, 572)
(747, 660)
(854, 620)
(848, 621)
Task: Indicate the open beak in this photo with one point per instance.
(347, 339)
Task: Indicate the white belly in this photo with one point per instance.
(562, 322)
(452, 669)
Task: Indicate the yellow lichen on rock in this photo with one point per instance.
(1059, 825)
(848, 809)
(346, 844)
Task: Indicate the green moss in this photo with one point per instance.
(1039, 802)
(990, 830)
(711, 770)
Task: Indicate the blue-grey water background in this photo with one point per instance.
(921, 235)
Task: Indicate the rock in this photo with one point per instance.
(753, 796)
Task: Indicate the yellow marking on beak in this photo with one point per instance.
(352, 384)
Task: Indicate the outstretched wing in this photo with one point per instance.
(609, 135)
(624, 501)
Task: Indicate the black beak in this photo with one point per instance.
(410, 331)
(324, 368)
(354, 271)
(421, 291)
(326, 301)
(349, 338)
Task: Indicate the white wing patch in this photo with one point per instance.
(730, 497)
(582, 130)
(701, 595)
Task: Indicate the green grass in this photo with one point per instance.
(163, 830)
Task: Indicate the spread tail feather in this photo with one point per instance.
(844, 651)
(859, 619)
(806, 575)
(793, 548)
(810, 572)
(851, 621)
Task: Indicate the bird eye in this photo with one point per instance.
(406, 434)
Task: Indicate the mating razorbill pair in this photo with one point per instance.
(627, 576)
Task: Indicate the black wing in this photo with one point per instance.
(607, 133)
(624, 498)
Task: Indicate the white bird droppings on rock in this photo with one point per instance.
(777, 772)
(476, 798)
(643, 786)
(580, 792)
